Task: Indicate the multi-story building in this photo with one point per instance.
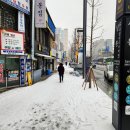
(62, 44)
(19, 62)
(45, 47)
(15, 45)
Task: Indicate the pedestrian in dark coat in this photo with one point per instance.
(61, 72)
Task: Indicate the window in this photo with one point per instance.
(8, 17)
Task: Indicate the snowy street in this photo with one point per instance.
(50, 105)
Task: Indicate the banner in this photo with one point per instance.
(21, 22)
(11, 43)
(40, 14)
(22, 5)
(29, 78)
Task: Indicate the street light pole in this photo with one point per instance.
(84, 36)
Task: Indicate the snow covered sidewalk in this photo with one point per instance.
(50, 105)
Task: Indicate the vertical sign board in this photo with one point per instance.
(21, 22)
(121, 82)
(40, 14)
(22, 71)
(117, 53)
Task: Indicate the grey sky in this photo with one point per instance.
(69, 14)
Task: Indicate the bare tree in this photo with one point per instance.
(94, 4)
(94, 27)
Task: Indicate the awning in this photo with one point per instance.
(45, 56)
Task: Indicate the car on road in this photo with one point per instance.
(108, 72)
(73, 64)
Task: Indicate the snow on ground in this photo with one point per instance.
(50, 105)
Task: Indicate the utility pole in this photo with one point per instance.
(84, 36)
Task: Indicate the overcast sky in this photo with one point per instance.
(69, 14)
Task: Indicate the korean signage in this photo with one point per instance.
(22, 71)
(21, 22)
(123, 7)
(22, 5)
(40, 14)
(11, 43)
(121, 78)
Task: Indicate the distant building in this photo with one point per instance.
(62, 43)
(102, 48)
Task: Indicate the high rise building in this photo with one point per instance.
(62, 43)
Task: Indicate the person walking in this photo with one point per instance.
(61, 72)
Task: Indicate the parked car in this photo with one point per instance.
(73, 64)
(108, 72)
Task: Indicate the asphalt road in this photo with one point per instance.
(105, 85)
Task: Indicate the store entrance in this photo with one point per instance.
(12, 70)
(9, 71)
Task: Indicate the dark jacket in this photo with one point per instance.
(61, 69)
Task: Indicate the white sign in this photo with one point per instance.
(22, 5)
(53, 52)
(127, 110)
(21, 22)
(11, 43)
(40, 14)
(115, 105)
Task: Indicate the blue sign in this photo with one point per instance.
(115, 96)
(22, 5)
(128, 89)
(116, 87)
(128, 100)
(22, 71)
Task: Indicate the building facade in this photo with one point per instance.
(45, 48)
(15, 42)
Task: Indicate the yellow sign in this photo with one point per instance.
(29, 78)
(128, 79)
(119, 1)
(116, 77)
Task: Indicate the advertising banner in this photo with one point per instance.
(40, 14)
(21, 22)
(22, 71)
(11, 43)
(22, 5)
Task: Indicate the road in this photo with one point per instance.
(105, 85)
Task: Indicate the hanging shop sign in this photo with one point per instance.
(21, 22)
(40, 14)
(11, 43)
(22, 5)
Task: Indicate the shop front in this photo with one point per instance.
(11, 49)
(9, 70)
